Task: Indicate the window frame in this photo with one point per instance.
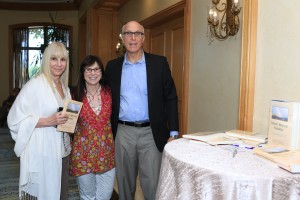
(26, 25)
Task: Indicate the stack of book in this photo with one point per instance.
(283, 136)
(283, 139)
(281, 156)
(228, 137)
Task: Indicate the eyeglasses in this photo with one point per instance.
(89, 70)
(130, 34)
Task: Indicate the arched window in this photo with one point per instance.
(28, 45)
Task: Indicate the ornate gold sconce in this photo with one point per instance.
(223, 19)
(120, 49)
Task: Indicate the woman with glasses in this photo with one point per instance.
(92, 156)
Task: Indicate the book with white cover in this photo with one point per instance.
(247, 135)
(283, 157)
(284, 124)
(213, 138)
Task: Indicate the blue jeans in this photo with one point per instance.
(96, 186)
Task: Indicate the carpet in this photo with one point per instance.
(9, 171)
(9, 189)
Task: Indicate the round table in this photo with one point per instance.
(194, 170)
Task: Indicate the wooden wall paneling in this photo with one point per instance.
(157, 45)
(115, 34)
(106, 34)
(103, 34)
(95, 33)
(146, 45)
(82, 39)
(180, 9)
(89, 28)
(177, 62)
(38, 6)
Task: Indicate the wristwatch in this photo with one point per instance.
(174, 136)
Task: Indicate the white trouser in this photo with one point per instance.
(96, 186)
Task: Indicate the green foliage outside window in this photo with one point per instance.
(29, 43)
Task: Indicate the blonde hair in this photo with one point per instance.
(55, 49)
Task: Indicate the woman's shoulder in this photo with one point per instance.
(34, 83)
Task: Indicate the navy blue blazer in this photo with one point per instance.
(162, 96)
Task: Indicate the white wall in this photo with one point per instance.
(278, 57)
(214, 76)
(8, 18)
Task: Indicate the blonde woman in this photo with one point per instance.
(32, 121)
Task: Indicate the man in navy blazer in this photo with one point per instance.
(144, 113)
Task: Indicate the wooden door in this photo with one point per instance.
(167, 39)
(82, 34)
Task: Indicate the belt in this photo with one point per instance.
(135, 124)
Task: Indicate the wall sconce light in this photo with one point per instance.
(120, 49)
(223, 19)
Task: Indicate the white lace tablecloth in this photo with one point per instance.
(193, 170)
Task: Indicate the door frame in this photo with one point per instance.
(248, 65)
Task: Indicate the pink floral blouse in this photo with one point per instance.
(93, 144)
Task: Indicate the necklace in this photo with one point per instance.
(93, 95)
(96, 104)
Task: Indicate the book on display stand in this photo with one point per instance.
(283, 136)
(284, 124)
